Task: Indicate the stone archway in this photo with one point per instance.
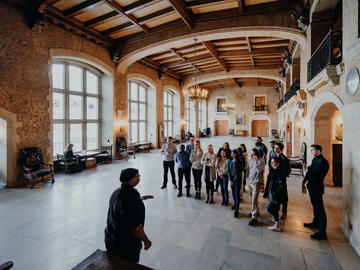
(12, 139)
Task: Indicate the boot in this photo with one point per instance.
(207, 199)
(211, 200)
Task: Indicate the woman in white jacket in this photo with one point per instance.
(197, 167)
(221, 166)
(208, 160)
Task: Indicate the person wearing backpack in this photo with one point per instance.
(285, 170)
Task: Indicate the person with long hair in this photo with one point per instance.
(255, 168)
(235, 168)
(245, 160)
(221, 166)
(209, 160)
(197, 167)
(182, 158)
(227, 149)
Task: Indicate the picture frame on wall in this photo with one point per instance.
(240, 119)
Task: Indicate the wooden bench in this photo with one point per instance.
(240, 132)
(101, 260)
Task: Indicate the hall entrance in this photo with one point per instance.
(260, 128)
(221, 127)
(328, 134)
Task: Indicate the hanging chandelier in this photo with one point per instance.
(195, 93)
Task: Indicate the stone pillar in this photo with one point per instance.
(120, 114)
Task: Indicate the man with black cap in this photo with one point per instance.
(126, 216)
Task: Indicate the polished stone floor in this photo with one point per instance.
(56, 226)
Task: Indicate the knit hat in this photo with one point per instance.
(127, 174)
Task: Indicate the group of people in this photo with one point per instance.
(124, 233)
(235, 167)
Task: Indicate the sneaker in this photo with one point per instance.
(274, 228)
(252, 221)
(319, 236)
(163, 186)
(310, 225)
(283, 216)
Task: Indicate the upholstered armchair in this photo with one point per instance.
(34, 168)
(105, 155)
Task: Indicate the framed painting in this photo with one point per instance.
(240, 119)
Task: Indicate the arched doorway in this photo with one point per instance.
(3, 153)
(328, 124)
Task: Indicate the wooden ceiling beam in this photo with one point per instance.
(101, 19)
(115, 6)
(159, 68)
(248, 43)
(45, 4)
(186, 15)
(141, 21)
(252, 60)
(78, 27)
(187, 62)
(255, 52)
(201, 2)
(237, 83)
(211, 48)
(138, 5)
(82, 7)
(240, 5)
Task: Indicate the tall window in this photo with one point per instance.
(168, 113)
(76, 108)
(138, 111)
(202, 115)
(190, 116)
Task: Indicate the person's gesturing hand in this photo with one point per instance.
(146, 197)
(147, 244)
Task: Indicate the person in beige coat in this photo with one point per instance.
(221, 166)
(209, 160)
(197, 167)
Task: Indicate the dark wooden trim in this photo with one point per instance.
(189, 61)
(240, 5)
(186, 14)
(237, 83)
(130, 17)
(82, 7)
(45, 4)
(254, 52)
(211, 48)
(101, 19)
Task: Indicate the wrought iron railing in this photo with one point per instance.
(294, 87)
(261, 108)
(220, 109)
(328, 53)
(286, 97)
(281, 102)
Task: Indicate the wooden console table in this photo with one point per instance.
(101, 260)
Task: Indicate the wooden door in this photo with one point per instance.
(259, 101)
(288, 138)
(222, 127)
(337, 165)
(260, 128)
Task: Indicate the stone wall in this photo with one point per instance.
(24, 76)
(244, 100)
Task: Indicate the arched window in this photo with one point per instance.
(138, 102)
(168, 113)
(76, 92)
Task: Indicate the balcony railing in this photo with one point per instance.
(281, 102)
(220, 109)
(328, 53)
(286, 97)
(294, 87)
(261, 108)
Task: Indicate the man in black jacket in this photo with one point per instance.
(315, 184)
(126, 216)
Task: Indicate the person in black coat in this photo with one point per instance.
(124, 230)
(275, 191)
(315, 184)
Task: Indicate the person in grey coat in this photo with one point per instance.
(169, 150)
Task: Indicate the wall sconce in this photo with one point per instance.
(230, 106)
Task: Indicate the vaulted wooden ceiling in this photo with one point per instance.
(111, 23)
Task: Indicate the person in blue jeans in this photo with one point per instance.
(182, 158)
(221, 167)
(235, 168)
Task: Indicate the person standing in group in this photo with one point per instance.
(227, 149)
(197, 167)
(169, 150)
(209, 160)
(255, 168)
(182, 158)
(286, 170)
(275, 191)
(245, 160)
(315, 184)
(272, 153)
(124, 230)
(235, 168)
(263, 151)
(221, 166)
(189, 148)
